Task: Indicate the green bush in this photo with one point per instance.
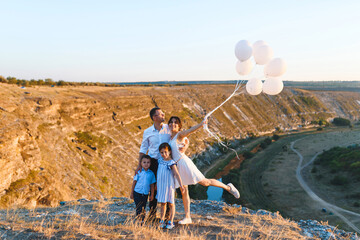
(341, 121)
(275, 137)
(248, 154)
(339, 180)
(89, 139)
(268, 141)
(341, 159)
(263, 145)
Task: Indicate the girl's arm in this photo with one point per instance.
(152, 190)
(186, 133)
(132, 189)
(177, 176)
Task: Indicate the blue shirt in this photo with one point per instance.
(143, 180)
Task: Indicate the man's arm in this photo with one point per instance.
(138, 169)
(143, 150)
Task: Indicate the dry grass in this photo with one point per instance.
(99, 221)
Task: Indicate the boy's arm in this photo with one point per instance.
(152, 190)
(132, 189)
(177, 176)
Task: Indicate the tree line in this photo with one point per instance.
(50, 82)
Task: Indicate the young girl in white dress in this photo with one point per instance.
(166, 172)
(189, 173)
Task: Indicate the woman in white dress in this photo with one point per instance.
(189, 173)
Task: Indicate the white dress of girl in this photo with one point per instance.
(165, 182)
(188, 172)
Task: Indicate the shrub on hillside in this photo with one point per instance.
(263, 145)
(341, 121)
(248, 154)
(268, 141)
(339, 180)
(341, 159)
(275, 137)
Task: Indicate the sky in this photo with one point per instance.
(132, 41)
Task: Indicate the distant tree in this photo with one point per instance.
(248, 154)
(268, 141)
(49, 81)
(275, 137)
(61, 83)
(341, 121)
(12, 80)
(3, 80)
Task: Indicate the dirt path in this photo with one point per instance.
(336, 210)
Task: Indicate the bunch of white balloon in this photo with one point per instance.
(263, 55)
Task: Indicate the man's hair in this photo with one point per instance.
(153, 112)
(164, 145)
(177, 120)
(145, 156)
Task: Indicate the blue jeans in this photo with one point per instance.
(140, 204)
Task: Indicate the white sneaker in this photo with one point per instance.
(185, 221)
(170, 225)
(233, 190)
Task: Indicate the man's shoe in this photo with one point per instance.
(234, 191)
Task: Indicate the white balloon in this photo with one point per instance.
(254, 86)
(244, 68)
(275, 68)
(243, 50)
(273, 86)
(262, 54)
(258, 44)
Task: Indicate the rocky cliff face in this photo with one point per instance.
(66, 143)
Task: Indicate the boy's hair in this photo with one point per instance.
(177, 120)
(153, 112)
(145, 156)
(164, 145)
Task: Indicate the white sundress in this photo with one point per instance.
(165, 182)
(188, 172)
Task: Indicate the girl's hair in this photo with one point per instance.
(164, 145)
(177, 120)
(145, 156)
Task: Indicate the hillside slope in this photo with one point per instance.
(66, 143)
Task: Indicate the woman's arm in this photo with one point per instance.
(186, 133)
(175, 171)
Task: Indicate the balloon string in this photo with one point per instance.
(237, 87)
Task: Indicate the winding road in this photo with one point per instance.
(335, 209)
